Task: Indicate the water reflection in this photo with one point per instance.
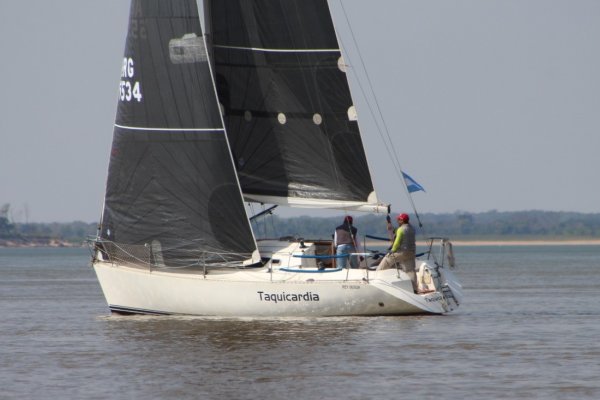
(251, 340)
(259, 352)
(233, 334)
(528, 329)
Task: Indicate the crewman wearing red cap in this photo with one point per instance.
(402, 253)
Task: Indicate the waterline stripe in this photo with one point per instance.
(128, 310)
(277, 50)
(136, 128)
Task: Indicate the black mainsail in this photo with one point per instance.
(172, 190)
(287, 106)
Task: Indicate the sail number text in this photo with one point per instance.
(129, 89)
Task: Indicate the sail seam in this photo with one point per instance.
(138, 128)
(277, 50)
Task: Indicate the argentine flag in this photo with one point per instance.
(411, 184)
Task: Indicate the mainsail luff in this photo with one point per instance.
(172, 187)
(287, 106)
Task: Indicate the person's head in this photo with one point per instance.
(402, 218)
(348, 220)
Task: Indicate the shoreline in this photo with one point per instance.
(520, 242)
(50, 244)
(509, 242)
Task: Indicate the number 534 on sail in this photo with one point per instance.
(129, 92)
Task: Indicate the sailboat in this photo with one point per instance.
(256, 108)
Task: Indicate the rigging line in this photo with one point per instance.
(251, 206)
(342, 55)
(373, 115)
(395, 158)
(256, 221)
(271, 218)
(370, 85)
(393, 154)
(375, 120)
(264, 222)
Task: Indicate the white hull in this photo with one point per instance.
(265, 293)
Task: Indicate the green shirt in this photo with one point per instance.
(405, 239)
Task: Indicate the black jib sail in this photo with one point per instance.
(287, 106)
(172, 192)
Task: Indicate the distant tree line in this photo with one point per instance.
(486, 225)
(39, 232)
(69, 231)
(458, 225)
(545, 224)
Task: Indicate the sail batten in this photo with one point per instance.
(298, 50)
(150, 129)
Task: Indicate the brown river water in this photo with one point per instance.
(528, 329)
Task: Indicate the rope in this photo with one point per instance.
(387, 140)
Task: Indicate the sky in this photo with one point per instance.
(490, 105)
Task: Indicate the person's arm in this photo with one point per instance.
(335, 239)
(396, 245)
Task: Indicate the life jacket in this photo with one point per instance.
(343, 234)
(407, 240)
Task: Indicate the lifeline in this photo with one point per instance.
(308, 296)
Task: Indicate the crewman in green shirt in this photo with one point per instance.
(402, 253)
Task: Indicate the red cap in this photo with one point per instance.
(402, 217)
(348, 219)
